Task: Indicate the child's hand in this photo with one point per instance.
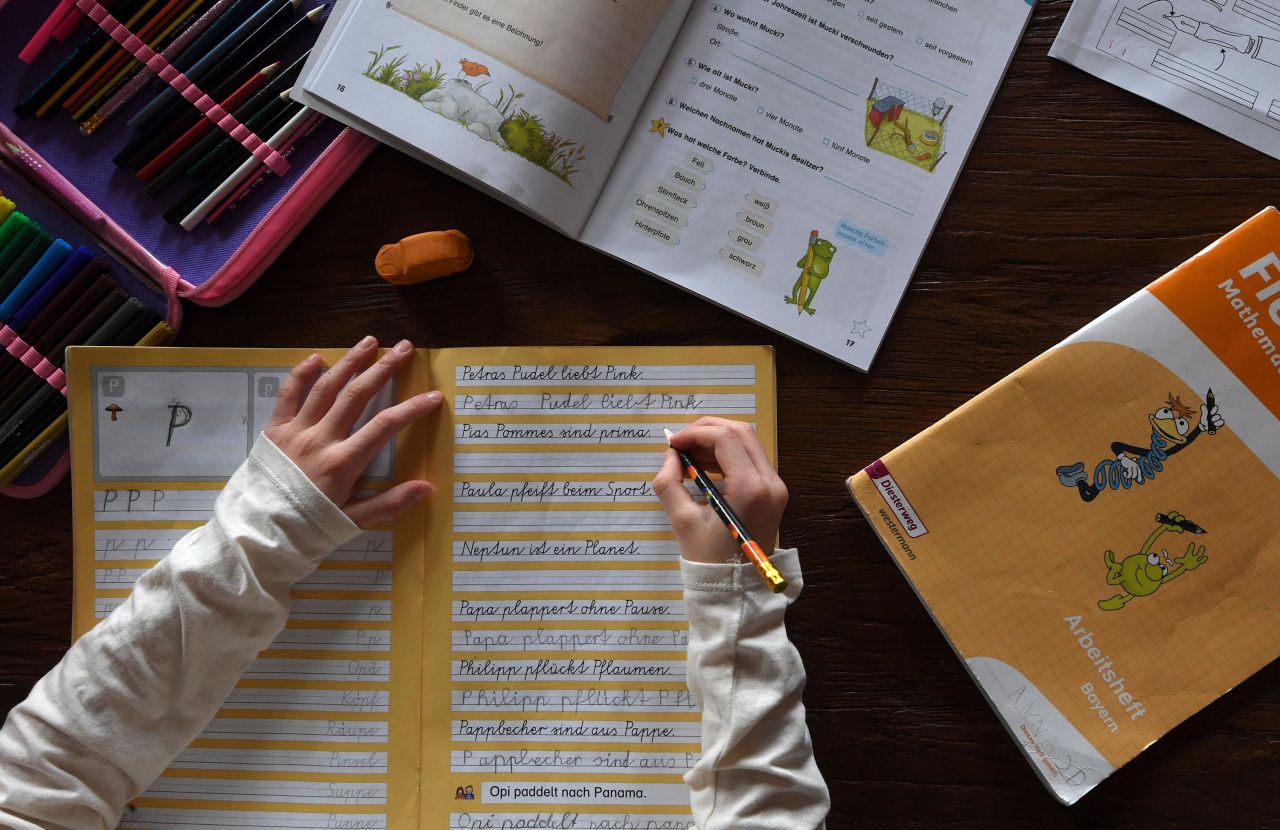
(315, 414)
(750, 485)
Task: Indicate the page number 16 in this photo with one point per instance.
(342, 87)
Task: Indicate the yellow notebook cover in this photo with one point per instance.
(509, 654)
(1096, 534)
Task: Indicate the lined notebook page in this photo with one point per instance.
(512, 653)
(555, 637)
(320, 731)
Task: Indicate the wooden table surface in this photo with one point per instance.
(1076, 195)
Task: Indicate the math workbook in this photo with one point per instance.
(510, 654)
(1096, 534)
(785, 160)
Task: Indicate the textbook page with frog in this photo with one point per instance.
(786, 160)
(1096, 534)
(510, 653)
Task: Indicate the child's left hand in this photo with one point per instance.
(316, 411)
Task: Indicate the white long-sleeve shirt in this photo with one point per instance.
(100, 727)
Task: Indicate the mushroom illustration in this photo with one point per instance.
(115, 410)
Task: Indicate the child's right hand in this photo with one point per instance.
(750, 485)
(316, 411)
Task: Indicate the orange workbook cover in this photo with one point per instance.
(1096, 534)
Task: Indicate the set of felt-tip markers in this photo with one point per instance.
(58, 288)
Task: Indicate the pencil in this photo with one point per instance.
(737, 529)
(220, 81)
(214, 168)
(28, 103)
(135, 85)
(184, 142)
(247, 114)
(119, 57)
(277, 141)
(128, 66)
(261, 171)
(104, 50)
(146, 119)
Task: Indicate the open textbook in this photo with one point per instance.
(786, 160)
(1214, 61)
(509, 654)
(1096, 534)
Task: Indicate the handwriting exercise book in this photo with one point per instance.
(511, 653)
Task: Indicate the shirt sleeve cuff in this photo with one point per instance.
(739, 578)
(326, 516)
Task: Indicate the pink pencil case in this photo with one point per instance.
(210, 266)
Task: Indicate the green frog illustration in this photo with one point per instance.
(814, 267)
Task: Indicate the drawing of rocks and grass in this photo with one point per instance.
(461, 99)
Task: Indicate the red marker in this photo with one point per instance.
(748, 545)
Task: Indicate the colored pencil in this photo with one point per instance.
(118, 57)
(193, 134)
(245, 113)
(136, 84)
(145, 120)
(104, 50)
(296, 124)
(69, 64)
(127, 66)
(225, 23)
(214, 176)
(737, 529)
(233, 70)
(260, 172)
(6, 207)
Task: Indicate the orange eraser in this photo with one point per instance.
(424, 256)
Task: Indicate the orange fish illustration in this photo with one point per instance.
(472, 69)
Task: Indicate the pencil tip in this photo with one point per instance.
(13, 148)
(315, 13)
(285, 96)
(669, 434)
